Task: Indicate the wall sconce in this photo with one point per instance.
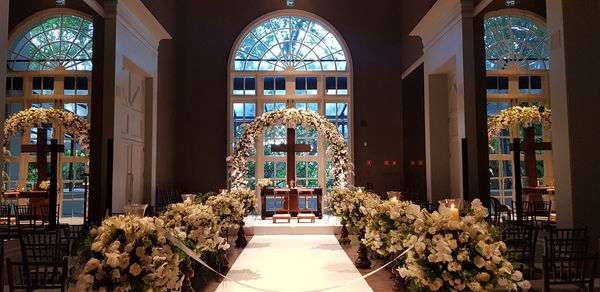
(511, 2)
(61, 2)
(290, 3)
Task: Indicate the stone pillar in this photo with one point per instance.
(575, 99)
(103, 112)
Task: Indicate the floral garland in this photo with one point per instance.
(518, 116)
(457, 254)
(32, 117)
(340, 158)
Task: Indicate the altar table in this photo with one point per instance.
(293, 197)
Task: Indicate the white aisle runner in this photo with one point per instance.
(293, 263)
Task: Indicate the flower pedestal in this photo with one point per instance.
(188, 273)
(399, 283)
(241, 239)
(344, 239)
(223, 262)
(362, 262)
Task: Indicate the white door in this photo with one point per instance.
(128, 177)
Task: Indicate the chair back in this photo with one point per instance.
(27, 219)
(307, 195)
(538, 209)
(568, 233)
(280, 195)
(574, 270)
(43, 247)
(565, 247)
(41, 275)
(521, 241)
(7, 228)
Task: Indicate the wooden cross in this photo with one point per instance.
(291, 148)
(529, 147)
(41, 149)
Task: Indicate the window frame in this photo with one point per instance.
(290, 98)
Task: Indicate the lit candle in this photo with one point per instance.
(393, 200)
(454, 212)
(223, 191)
(187, 202)
(360, 189)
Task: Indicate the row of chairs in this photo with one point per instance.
(565, 257)
(538, 212)
(44, 252)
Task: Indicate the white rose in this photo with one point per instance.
(135, 269)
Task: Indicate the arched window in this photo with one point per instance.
(517, 61)
(515, 42)
(290, 58)
(49, 65)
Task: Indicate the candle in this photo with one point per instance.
(187, 202)
(223, 191)
(454, 212)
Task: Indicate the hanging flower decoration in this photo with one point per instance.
(518, 116)
(341, 166)
(32, 117)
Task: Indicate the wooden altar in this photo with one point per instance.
(37, 199)
(293, 197)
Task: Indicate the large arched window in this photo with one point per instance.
(517, 61)
(49, 65)
(290, 58)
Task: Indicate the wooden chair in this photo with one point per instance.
(500, 209)
(281, 194)
(39, 275)
(521, 240)
(306, 213)
(569, 270)
(27, 219)
(568, 233)
(44, 247)
(73, 235)
(539, 212)
(7, 232)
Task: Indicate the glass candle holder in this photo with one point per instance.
(223, 191)
(137, 210)
(451, 203)
(188, 199)
(394, 195)
(360, 189)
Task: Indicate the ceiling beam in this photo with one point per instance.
(95, 6)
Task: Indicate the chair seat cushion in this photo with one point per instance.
(307, 215)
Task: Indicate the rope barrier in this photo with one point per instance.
(194, 256)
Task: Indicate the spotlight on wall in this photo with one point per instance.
(60, 2)
(511, 2)
(290, 3)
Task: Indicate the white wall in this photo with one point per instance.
(136, 71)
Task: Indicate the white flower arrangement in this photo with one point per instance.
(197, 226)
(388, 226)
(238, 162)
(126, 254)
(518, 116)
(464, 254)
(264, 182)
(32, 117)
(353, 206)
(44, 185)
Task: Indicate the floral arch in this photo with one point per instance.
(341, 166)
(31, 117)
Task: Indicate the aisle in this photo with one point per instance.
(293, 263)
